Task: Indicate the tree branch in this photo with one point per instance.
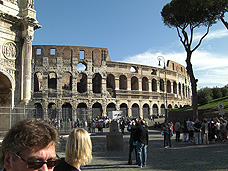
(208, 28)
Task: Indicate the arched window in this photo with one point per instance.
(134, 83)
(123, 82)
(145, 86)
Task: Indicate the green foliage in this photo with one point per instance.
(217, 93)
(180, 13)
(204, 95)
(224, 91)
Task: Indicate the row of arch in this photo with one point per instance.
(83, 112)
(160, 84)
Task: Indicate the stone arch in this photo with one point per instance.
(67, 81)
(82, 111)
(81, 66)
(170, 106)
(134, 83)
(162, 85)
(163, 109)
(67, 111)
(39, 111)
(154, 85)
(168, 86)
(52, 111)
(155, 109)
(5, 90)
(52, 80)
(146, 111)
(96, 110)
(97, 83)
(82, 83)
(134, 69)
(123, 82)
(145, 84)
(124, 108)
(110, 85)
(38, 82)
(135, 110)
(174, 87)
(110, 107)
(179, 88)
(183, 90)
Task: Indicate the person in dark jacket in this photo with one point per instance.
(132, 144)
(142, 137)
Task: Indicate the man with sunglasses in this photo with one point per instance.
(30, 145)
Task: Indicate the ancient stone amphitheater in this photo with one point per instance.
(75, 82)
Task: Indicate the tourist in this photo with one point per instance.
(177, 128)
(205, 130)
(185, 132)
(223, 129)
(142, 137)
(190, 125)
(167, 134)
(30, 145)
(132, 144)
(197, 132)
(78, 151)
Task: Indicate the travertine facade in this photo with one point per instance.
(17, 25)
(64, 89)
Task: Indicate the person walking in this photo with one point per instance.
(132, 144)
(142, 137)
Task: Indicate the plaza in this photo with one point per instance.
(182, 156)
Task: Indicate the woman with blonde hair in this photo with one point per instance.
(78, 151)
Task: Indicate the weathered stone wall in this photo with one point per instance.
(103, 85)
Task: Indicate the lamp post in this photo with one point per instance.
(162, 59)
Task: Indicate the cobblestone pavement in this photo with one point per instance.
(181, 157)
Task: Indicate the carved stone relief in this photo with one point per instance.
(10, 50)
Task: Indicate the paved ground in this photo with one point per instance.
(181, 157)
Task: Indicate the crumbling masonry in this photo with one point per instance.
(74, 82)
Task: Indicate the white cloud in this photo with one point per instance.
(210, 69)
(213, 34)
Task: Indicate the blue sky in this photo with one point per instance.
(133, 32)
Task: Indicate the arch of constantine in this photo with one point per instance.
(73, 82)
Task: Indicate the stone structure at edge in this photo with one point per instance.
(17, 25)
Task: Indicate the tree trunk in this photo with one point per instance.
(193, 84)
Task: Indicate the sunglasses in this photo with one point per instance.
(36, 165)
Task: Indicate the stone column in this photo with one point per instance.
(26, 65)
(117, 83)
(150, 85)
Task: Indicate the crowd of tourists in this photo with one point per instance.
(197, 132)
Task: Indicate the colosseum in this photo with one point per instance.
(75, 82)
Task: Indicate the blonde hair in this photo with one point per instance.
(78, 147)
